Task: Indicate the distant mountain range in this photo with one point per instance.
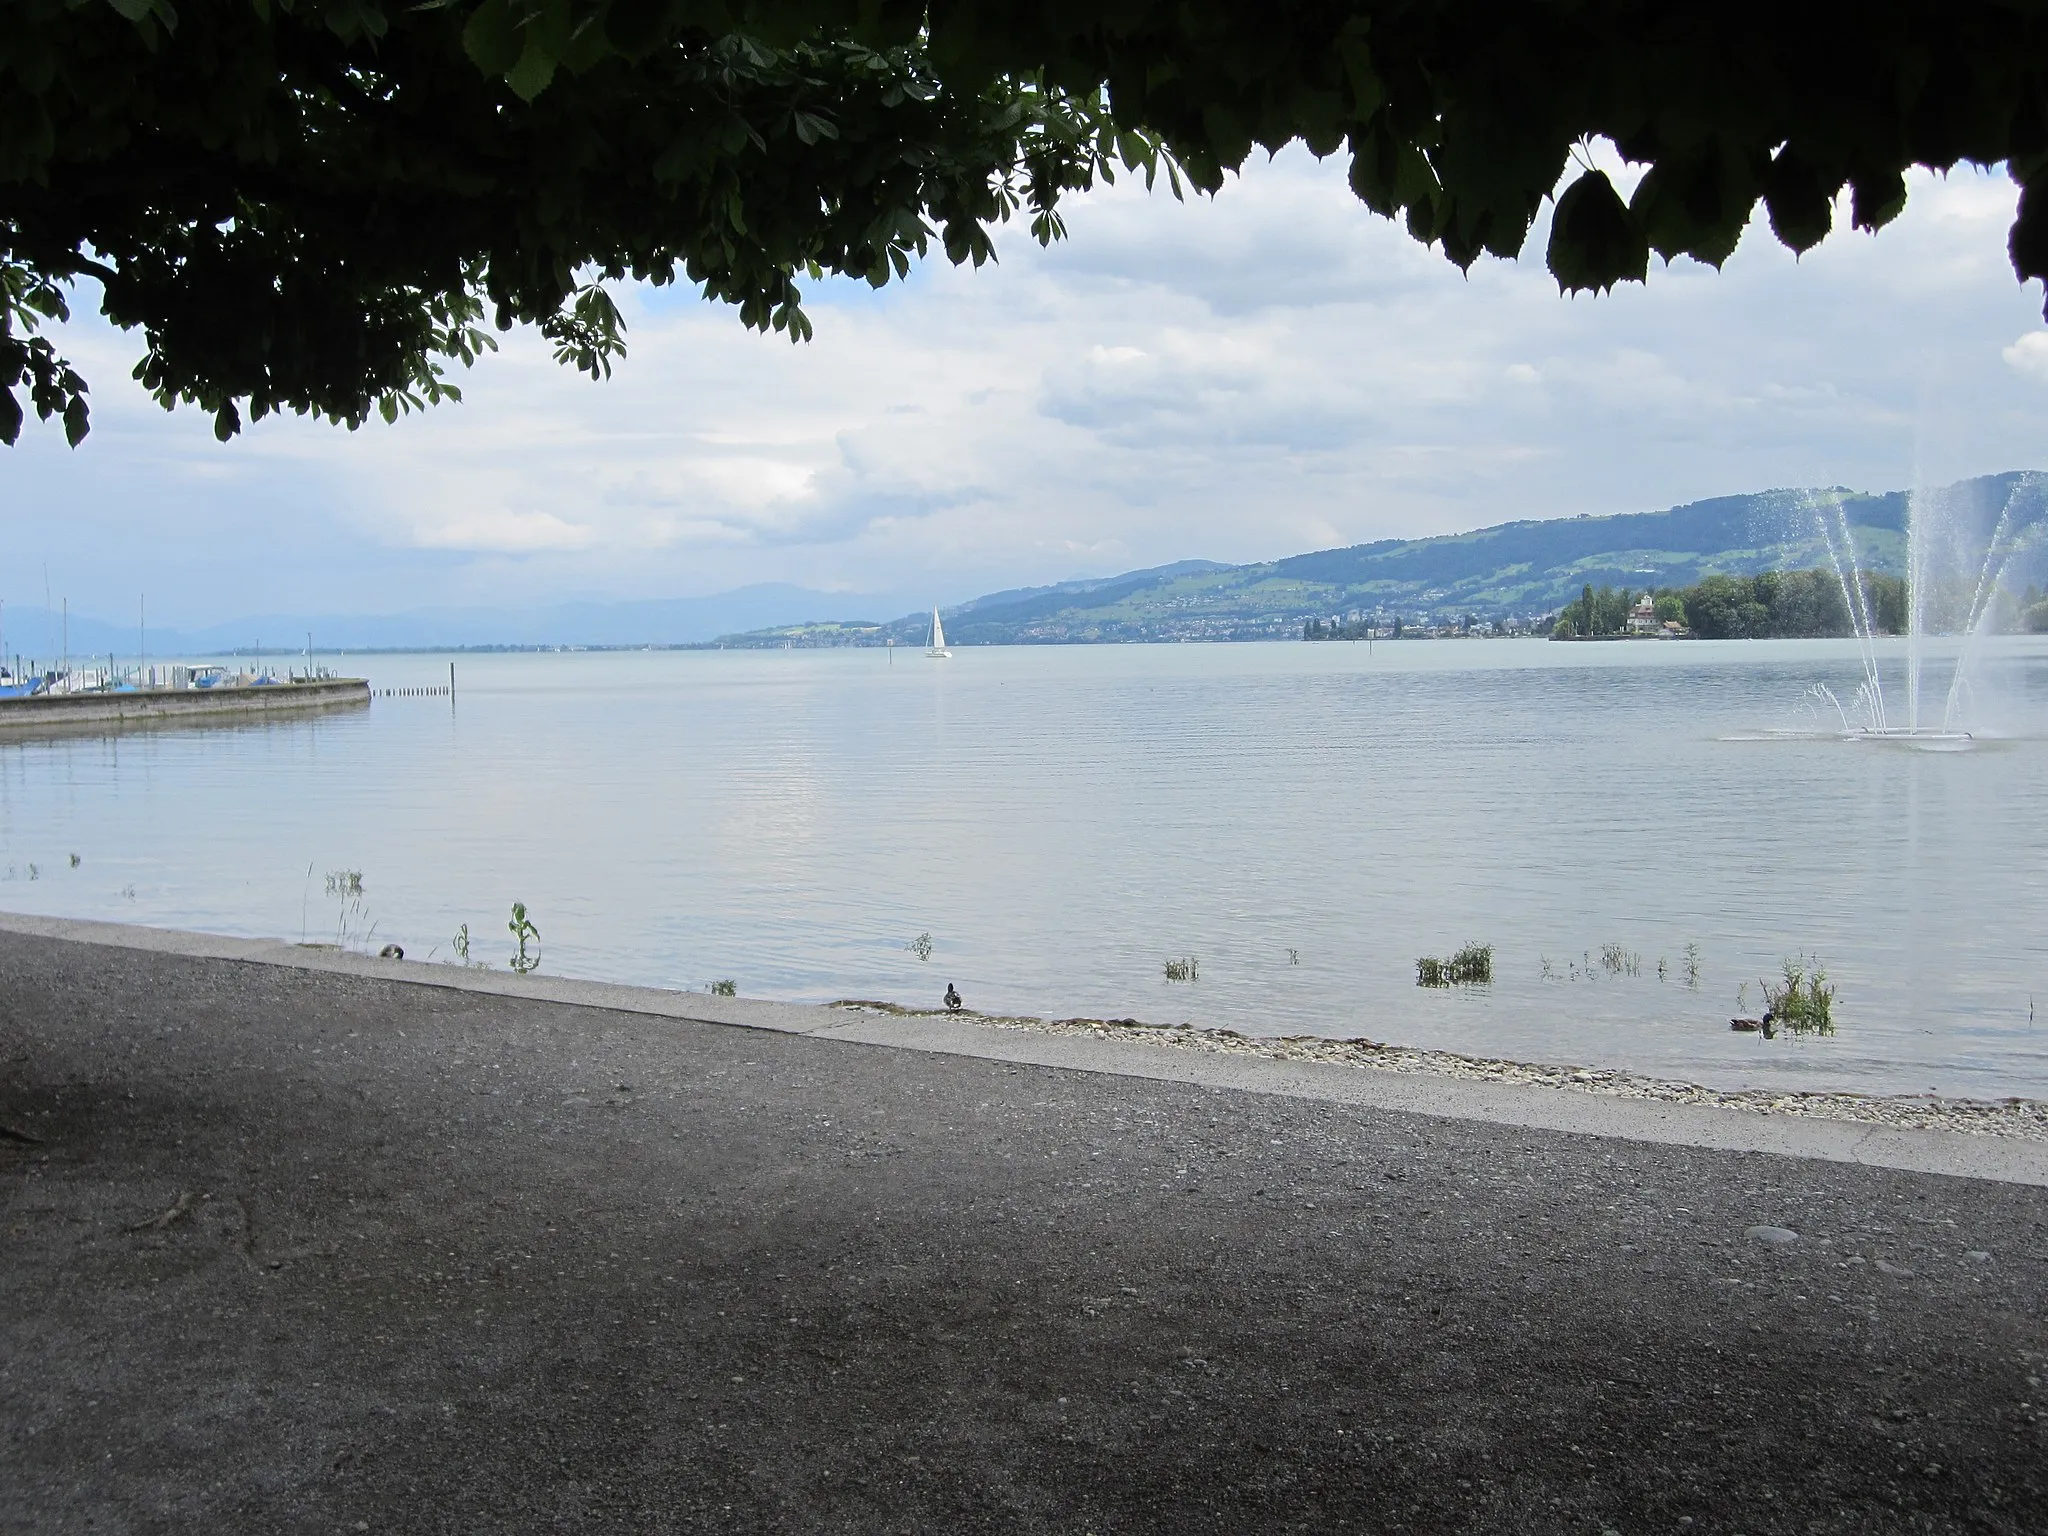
(1514, 570)
(36, 631)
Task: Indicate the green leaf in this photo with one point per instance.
(1876, 200)
(493, 38)
(1800, 200)
(1594, 240)
(1697, 204)
(530, 76)
(1368, 92)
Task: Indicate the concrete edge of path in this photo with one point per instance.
(1956, 1153)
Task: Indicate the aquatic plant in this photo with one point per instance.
(522, 929)
(1804, 1002)
(460, 945)
(1469, 967)
(75, 861)
(921, 946)
(1548, 971)
(726, 988)
(1473, 965)
(1692, 965)
(1183, 970)
(1294, 957)
(1617, 961)
(34, 873)
(346, 887)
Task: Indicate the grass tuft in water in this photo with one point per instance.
(1184, 969)
(1618, 961)
(346, 887)
(726, 988)
(1470, 967)
(921, 946)
(1804, 1002)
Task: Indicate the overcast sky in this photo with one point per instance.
(1271, 371)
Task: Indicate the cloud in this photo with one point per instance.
(1270, 370)
(502, 532)
(2029, 354)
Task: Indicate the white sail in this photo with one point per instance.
(938, 646)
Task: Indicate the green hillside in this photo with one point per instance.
(1521, 571)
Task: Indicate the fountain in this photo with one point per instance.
(1942, 533)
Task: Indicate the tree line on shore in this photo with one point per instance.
(1788, 605)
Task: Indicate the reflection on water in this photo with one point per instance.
(1303, 820)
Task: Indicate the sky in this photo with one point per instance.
(1266, 372)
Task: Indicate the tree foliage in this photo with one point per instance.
(1789, 605)
(1769, 605)
(1599, 611)
(320, 205)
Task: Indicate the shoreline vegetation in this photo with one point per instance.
(1783, 605)
(1772, 605)
(2019, 1118)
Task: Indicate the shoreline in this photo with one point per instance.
(2016, 1118)
(2005, 1138)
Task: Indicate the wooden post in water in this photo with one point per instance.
(451, 682)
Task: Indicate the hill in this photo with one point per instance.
(1520, 570)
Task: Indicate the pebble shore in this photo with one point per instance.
(2023, 1118)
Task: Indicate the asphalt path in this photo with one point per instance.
(310, 1252)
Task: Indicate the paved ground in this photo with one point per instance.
(461, 1263)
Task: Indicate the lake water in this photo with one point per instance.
(1303, 820)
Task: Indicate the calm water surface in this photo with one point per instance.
(1303, 820)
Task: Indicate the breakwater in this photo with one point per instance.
(60, 711)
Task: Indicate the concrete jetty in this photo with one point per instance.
(350, 1245)
(145, 706)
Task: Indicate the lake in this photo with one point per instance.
(1304, 821)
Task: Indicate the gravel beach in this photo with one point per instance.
(300, 1251)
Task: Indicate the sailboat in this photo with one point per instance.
(938, 649)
